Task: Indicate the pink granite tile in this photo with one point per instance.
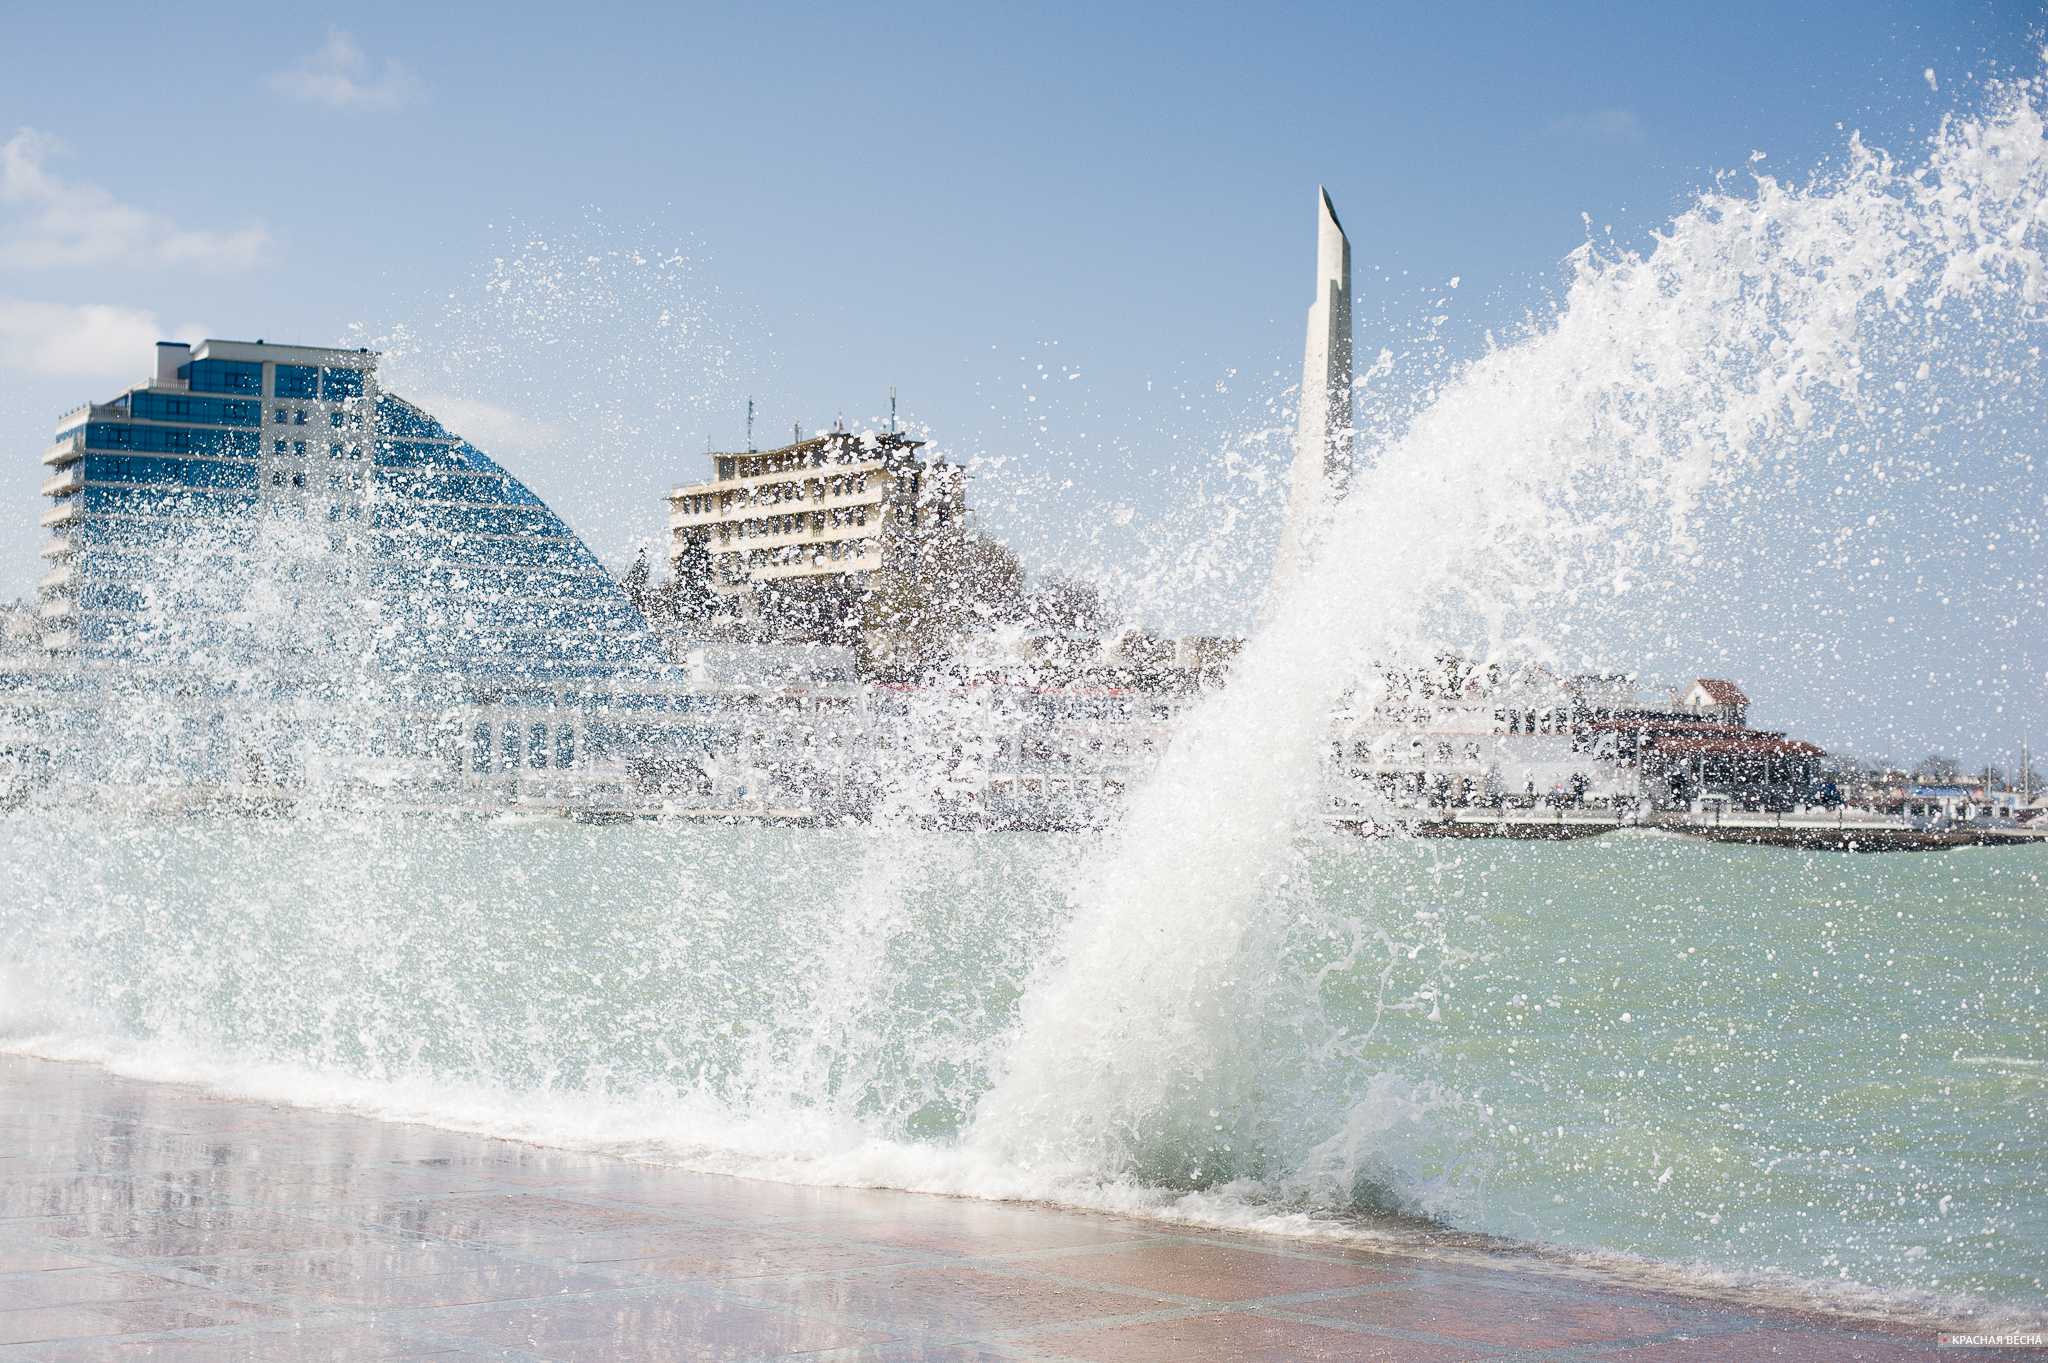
(76, 1286)
(716, 1252)
(1808, 1346)
(1526, 1319)
(954, 1299)
(510, 1218)
(40, 1323)
(24, 1257)
(299, 1343)
(650, 1328)
(1236, 1338)
(397, 1276)
(68, 1193)
(917, 1351)
(1187, 1268)
(727, 1256)
(212, 1231)
(957, 1226)
(683, 1195)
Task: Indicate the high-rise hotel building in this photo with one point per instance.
(271, 512)
(837, 506)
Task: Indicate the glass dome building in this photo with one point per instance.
(259, 561)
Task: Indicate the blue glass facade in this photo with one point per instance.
(471, 585)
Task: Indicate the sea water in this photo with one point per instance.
(1815, 1073)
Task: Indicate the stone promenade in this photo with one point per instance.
(149, 1221)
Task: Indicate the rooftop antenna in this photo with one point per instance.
(796, 432)
(750, 425)
(892, 409)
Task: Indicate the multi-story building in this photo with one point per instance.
(264, 533)
(841, 505)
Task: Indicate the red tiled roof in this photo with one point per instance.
(1722, 692)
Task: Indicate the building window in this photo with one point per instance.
(295, 381)
(222, 376)
(565, 749)
(339, 384)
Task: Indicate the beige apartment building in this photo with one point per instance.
(839, 505)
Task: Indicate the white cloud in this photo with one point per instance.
(340, 75)
(46, 221)
(491, 428)
(84, 340)
(1604, 127)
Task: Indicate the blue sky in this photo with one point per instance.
(942, 198)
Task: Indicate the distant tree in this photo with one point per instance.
(1937, 769)
(1148, 656)
(636, 584)
(1069, 605)
(826, 609)
(686, 603)
(944, 587)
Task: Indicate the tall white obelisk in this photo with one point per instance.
(1322, 435)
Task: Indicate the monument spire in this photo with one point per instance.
(1322, 433)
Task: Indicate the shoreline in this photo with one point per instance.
(1403, 1251)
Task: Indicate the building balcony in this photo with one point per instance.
(874, 495)
(873, 468)
(802, 537)
(804, 567)
(65, 513)
(70, 480)
(59, 547)
(60, 640)
(66, 451)
(57, 578)
(57, 609)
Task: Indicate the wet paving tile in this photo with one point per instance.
(511, 1218)
(1523, 1319)
(79, 1286)
(27, 1257)
(1218, 1272)
(1239, 1338)
(927, 1351)
(67, 1193)
(38, 1324)
(651, 1328)
(1809, 1346)
(207, 1231)
(960, 1227)
(393, 1276)
(954, 1300)
(720, 1253)
(691, 1196)
(296, 1342)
